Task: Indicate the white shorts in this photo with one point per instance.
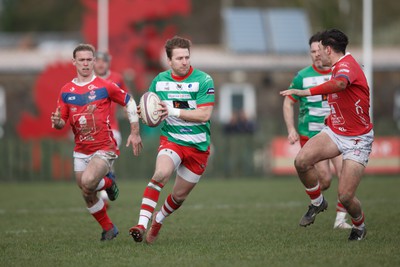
(82, 160)
(356, 148)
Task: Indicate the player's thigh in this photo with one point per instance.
(182, 188)
(165, 166)
(319, 147)
(96, 169)
(337, 164)
(324, 170)
(351, 174)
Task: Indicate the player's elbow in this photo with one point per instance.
(341, 84)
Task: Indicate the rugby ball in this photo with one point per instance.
(149, 105)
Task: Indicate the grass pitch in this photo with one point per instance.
(241, 222)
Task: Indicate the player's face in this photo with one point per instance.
(101, 67)
(84, 62)
(180, 61)
(315, 55)
(324, 52)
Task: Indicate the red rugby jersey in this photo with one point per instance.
(87, 108)
(350, 108)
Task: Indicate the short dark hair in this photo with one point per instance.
(314, 38)
(83, 47)
(176, 42)
(336, 39)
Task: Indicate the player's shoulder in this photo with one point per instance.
(306, 71)
(68, 87)
(164, 75)
(201, 75)
(347, 62)
(100, 82)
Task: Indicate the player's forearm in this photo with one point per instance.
(288, 114)
(329, 87)
(202, 114)
(135, 128)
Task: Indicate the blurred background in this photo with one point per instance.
(251, 48)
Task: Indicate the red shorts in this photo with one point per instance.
(303, 140)
(192, 158)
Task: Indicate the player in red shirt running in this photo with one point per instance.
(102, 70)
(85, 103)
(349, 132)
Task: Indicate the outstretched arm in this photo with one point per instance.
(288, 115)
(134, 137)
(329, 87)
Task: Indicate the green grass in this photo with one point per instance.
(247, 222)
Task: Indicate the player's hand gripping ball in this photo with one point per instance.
(149, 105)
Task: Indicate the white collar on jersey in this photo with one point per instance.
(75, 81)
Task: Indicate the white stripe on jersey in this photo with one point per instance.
(176, 86)
(314, 126)
(195, 138)
(174, 121)
(320, 112)
(314, 81)
(314, 98)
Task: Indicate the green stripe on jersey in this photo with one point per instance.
(313, 109)
(195, 90)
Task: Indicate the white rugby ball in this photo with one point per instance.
(149, 105)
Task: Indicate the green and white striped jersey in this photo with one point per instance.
(195, 90)
(313, 109)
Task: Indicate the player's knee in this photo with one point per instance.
(345, 199)
(301, 164)
(161, 176)
(88, 184)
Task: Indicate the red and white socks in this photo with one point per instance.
(99, 212)
(149, 202)
(170, 205)
(315, 195)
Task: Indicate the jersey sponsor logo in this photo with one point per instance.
(70, 98)
(171, 86)
(186, 130)
(166, 86)
(357, 152)
(92, 95)
(181, 104)
(343, 65)
(334, 96)
(359, 109)
(92, 86)
(343, 70)
(210, 91)
(355, 141)
(179, 96)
